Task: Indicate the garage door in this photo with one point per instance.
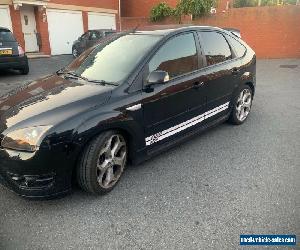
(101, 21)
(5, 20)
(64, 28)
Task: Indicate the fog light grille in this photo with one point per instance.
(32, 181)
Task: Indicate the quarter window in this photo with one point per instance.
(238, 47)
(215, 47)
(177, 56)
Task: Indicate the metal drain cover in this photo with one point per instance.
(289, 66)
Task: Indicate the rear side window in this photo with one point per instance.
(238, 47)
(6, 36)
(177, 56)
(215, 47)
(94, 35)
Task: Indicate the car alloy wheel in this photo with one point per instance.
(111, 161)
(75, 52)
(243, 105)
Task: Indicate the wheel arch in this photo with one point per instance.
(251, 85)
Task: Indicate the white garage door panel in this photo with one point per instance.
(5, 20)
(101, 21)
(64, 28)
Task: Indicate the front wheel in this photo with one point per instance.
(75, 52)
(102, 163)
(241, 106)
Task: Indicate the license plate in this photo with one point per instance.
(6, 52)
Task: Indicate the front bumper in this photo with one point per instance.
(42, 174)
(13, 62)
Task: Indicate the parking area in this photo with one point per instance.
(203, 194)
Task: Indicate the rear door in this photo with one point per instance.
(173, 108)
(223, 73)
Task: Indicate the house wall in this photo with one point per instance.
(272, 31)
(105, 6)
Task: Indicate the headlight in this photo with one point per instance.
(26, 139)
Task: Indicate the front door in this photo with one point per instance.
(29, 28)
(176, 106)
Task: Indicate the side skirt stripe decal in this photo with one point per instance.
(182, 126)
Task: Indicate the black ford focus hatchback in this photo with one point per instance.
(126, 99)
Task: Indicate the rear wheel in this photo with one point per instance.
(102, 163)
(241, 106)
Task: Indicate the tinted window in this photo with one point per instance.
(86, 35)
(238, 47)
(115, 60)
(94, 35)
(6, 36)
(177, 56)
(216, 48)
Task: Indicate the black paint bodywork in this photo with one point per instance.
(14, 61)
(79, 111)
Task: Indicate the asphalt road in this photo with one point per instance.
(203, 194)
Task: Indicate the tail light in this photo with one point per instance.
(21, 51)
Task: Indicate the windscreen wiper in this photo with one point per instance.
(71, 74)
(103, 82)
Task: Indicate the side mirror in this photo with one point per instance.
(157, 77)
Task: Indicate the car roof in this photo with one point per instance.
(111, 30)
(168, 29)
(4, 28)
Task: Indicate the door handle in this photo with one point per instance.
(235, 71)
(197, 85)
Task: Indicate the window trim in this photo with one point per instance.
(233, 55)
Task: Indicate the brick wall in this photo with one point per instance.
(273, 32)
(107, 4)
(17, 25)
(42, 29)
(141, 8)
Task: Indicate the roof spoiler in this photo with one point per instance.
(233, 31)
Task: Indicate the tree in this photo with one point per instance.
(195, 8)
(160, 11)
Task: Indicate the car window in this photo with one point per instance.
(238, 47)
(85, 35)
(6, 36)
(177, 56)
(94, 35)
(109, 33)
(115, 60)
(215, 47)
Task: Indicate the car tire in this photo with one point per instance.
(25, 70)
(241, 105)
(102, 163)
(75, 52)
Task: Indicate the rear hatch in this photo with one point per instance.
(8, 44)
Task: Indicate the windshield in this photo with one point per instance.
(6, 36)
(113, 62)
